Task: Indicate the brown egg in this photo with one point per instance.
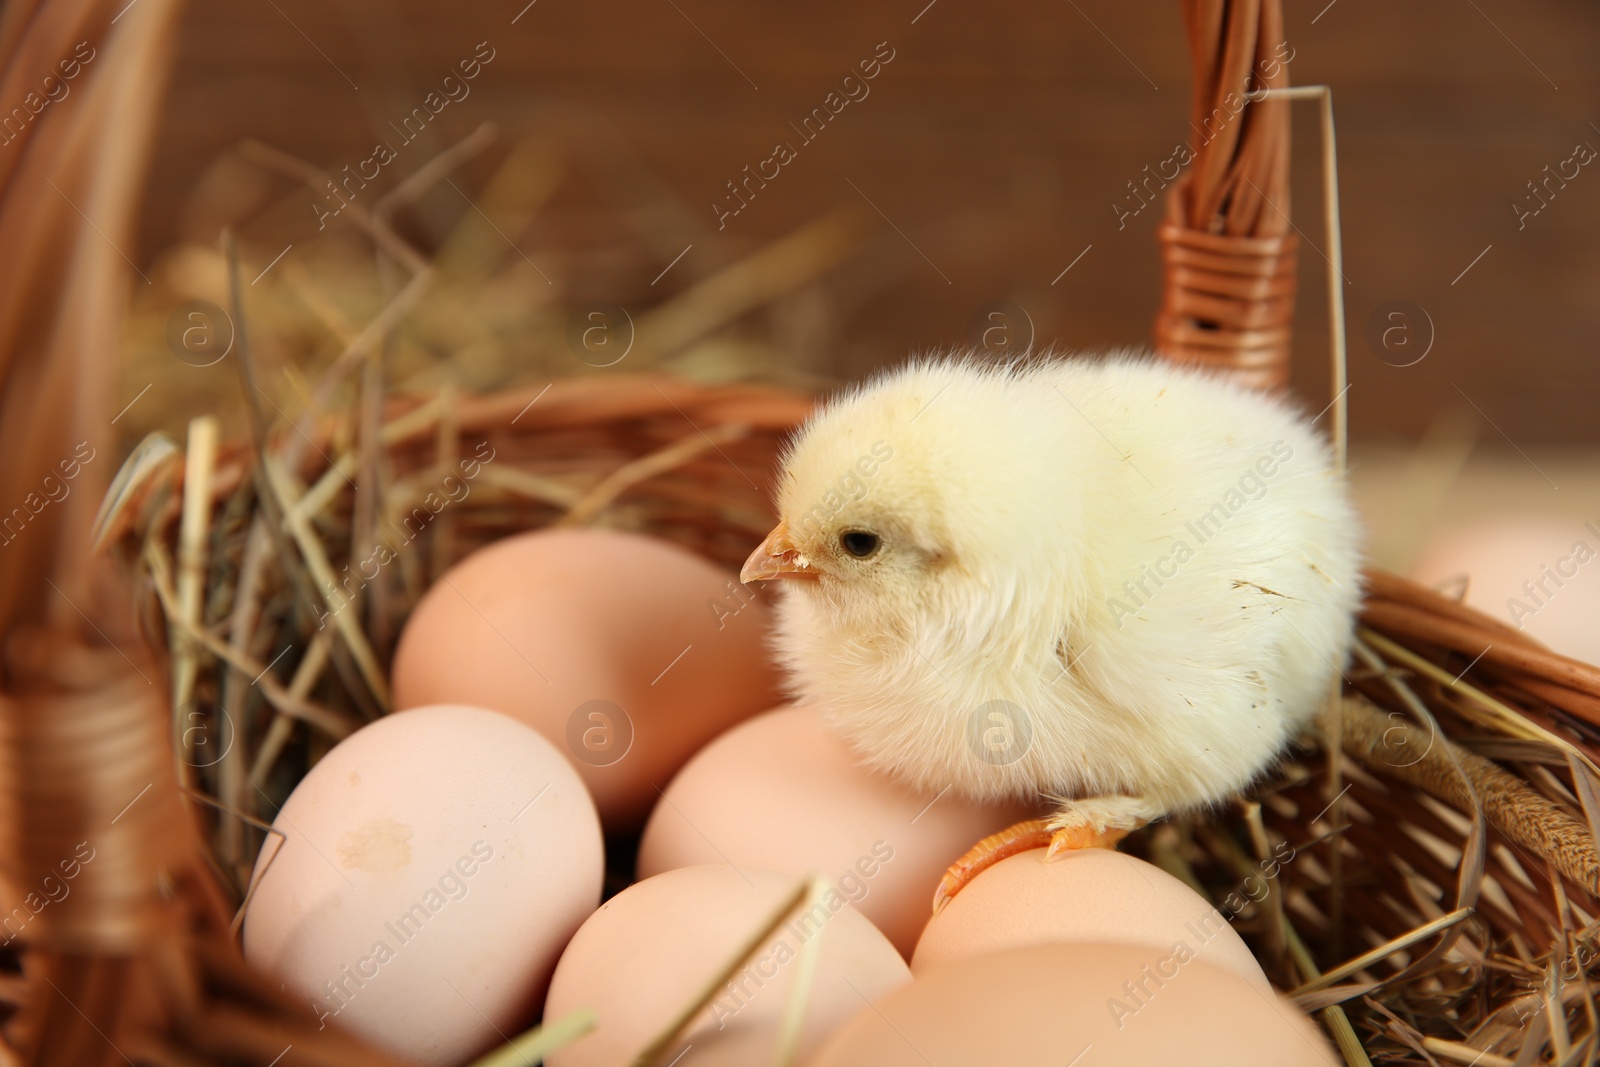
(627, 652)
(414, 856)
(780, 792)
(644, 955)
(1086, 1005)
(1093, 895)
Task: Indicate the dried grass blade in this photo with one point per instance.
(428, 175)
(447, 448)
(242, 622)
(662, 460)
(1456, 1052)
(316, 559)
(282, 725)
(1586, 784)
(537, 1044)
(1388, 948)
(658, 1046)
(1482, 708)
(783, 265)
(1333, 1016)
(794, 1009)
(333, 723)
(531, 485)
(194, 531)
(149, 459)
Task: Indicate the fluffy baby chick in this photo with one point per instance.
(1120, 584)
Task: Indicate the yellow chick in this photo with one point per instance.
(1119, 584)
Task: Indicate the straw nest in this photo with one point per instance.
(1440, 898)
(1442, 892)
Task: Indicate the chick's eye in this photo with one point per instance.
(859, 543)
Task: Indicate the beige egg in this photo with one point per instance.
(435, 863)
(1539, 573)
(1092, 895)
(644, 955)
(1086, 1005)
(627, 652)
(780, 792)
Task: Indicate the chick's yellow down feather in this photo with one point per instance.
(1116, 582)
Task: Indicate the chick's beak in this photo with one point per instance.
(776, 557)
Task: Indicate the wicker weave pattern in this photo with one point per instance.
(1228, 303)
(1227, 248)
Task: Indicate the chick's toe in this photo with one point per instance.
(1098, 822)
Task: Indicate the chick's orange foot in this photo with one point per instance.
(1023, 837)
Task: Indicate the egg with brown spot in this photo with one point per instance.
(379, 845)
(432, 867)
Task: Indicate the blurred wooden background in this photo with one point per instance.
(995, 143)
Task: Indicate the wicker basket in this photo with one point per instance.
(1478, 885)
(1473, 887)
(1442, 898)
